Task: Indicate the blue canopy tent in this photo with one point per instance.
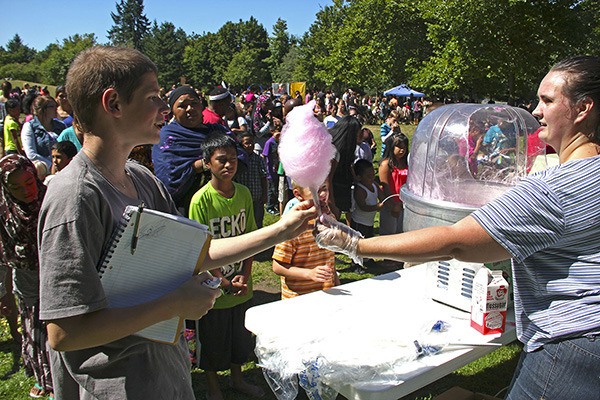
(403, 91)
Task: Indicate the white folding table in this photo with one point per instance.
(385, 306)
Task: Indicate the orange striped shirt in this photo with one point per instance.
(303, 252)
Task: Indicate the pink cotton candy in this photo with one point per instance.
(305, 148)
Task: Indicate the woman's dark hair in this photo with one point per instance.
(395, 140)
(6, 89)
(28, 101)
(343, 137)
(582, 80)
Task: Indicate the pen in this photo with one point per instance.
(136, 228)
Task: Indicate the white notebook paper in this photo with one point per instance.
(168, 251)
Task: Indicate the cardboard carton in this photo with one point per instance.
(489, 301)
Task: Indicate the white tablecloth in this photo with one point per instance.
(364, 334)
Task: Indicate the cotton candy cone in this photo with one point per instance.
(305, 147)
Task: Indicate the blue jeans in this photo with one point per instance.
(259, 213)
(564, 370)
(273, 193)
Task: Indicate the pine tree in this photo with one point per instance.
(130, 24)
(18, 52)
(279, 46)
(170, 62)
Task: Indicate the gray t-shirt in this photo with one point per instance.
(79, 213)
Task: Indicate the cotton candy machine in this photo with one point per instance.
(462, 156)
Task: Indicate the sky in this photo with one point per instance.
(41, 22)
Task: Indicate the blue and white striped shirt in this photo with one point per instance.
(550, 223)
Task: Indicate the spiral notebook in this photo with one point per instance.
(151, 254)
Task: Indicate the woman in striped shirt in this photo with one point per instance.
(549, 224)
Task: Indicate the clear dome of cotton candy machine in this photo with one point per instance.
(464, 155)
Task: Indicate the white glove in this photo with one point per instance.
(336, 236)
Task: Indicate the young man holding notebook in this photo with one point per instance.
(114, 94)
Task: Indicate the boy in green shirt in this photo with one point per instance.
(226, 207)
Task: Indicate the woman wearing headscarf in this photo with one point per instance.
(39, 135)
(20, 201)
(177, 157)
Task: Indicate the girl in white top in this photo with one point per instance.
(366, 198)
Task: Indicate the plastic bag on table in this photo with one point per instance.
(285, 364)
(386, 348)
(434, 341)
(284, 388)
(280, 371)
(312, 382)
(383, 360)
(382, 367)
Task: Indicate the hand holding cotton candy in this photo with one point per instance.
(305, 149)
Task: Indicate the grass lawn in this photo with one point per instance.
(488, 375)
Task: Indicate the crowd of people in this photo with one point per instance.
(32, 155)
(112, 137)
(246, 129)
(183, 166)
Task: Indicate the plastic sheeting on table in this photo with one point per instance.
(324, 354)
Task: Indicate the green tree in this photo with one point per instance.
(54, 68)
(169, 63)
(197, 66)
(44, 54)
(226, 43)
(372, 47)
(17, 61)
(497, 49)
(279, 47)
(25, 72)
(288, 69)
(243, 69)
(130, 24)
(589, 13)
(364, 44)
(207, 57)
(17, 52)
(316, 44)
(231, 38)
(254, 36)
